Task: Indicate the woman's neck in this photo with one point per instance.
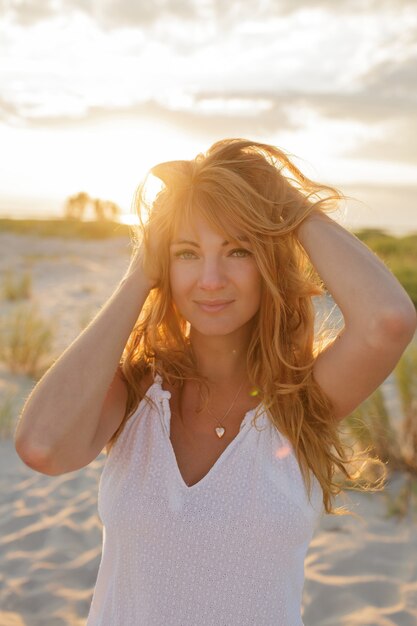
(222, 360)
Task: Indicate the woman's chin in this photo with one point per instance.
(217, 328)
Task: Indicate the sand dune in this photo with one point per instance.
(358, 571)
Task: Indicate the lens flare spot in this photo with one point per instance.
(283, 451)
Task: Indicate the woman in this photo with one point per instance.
(202, 379)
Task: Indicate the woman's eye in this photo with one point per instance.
(241, 252)
(182, 254)
(190, 254)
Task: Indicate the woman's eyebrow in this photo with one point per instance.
(186, 241)
(196, 245)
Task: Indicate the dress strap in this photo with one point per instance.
(158, 381)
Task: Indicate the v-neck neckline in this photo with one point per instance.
(166, 396)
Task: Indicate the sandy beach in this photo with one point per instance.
(359, 571)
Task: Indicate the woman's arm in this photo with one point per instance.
(60, 419)
(380, 318)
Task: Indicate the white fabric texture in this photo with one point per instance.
(227, 551)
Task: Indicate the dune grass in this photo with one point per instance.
(16, 287)
(6, 416)
(26, 340)
(398, 253)
(372, 429)
(67, 228)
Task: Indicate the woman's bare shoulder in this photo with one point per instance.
(145, 382)
(114, 407)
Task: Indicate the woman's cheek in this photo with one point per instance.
(180, 281)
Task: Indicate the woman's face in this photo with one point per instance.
(216, 285)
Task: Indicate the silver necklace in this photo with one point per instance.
(220, 429)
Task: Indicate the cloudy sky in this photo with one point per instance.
(93, 93)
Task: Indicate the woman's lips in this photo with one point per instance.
(212, 308)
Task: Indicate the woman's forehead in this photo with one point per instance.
(198, 225)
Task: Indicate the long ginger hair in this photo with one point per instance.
(254, 189)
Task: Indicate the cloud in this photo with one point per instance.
(389, 205)
(393, 79)
(263, 114)
(387, 98)
(118, 13)
(362, 106)
(210, 67)
(196, 118)
(27, 13)
(9, 113)
(107, 13)
(115, 13)
(398, 143)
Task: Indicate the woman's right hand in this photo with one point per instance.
(141, 264)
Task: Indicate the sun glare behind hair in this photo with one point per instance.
(152, 186)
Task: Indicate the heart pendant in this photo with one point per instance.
(220, 431)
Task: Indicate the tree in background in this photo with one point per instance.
(76, 207)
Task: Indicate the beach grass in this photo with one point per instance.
(373, 430)
(16, 287)
(26, 340)
(64, 227)
(398, 253)
(6, 416)
(403, 502)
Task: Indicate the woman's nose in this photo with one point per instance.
(211, 276)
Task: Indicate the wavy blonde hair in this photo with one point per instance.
(255, 189)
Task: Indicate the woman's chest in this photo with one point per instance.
(250, 486)
(199, 440)
(197, 451)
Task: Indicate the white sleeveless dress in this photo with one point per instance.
(227, 551)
